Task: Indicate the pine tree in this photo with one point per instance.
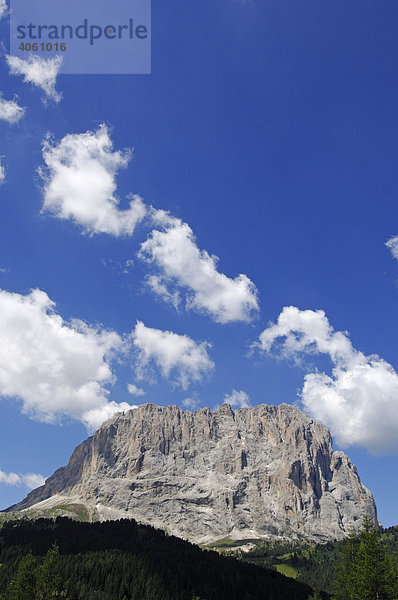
(22, 585)
(374, 569)
(366, 571)
(49, 579)
(315, 596)
(346, 584)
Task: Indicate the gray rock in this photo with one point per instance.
(266, 471)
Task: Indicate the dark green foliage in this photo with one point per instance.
(316, 596)
(122, 560)
(48, 576)
(315, 565)
(345, 569)
(366, 571)
(36, 579)
(23, 584)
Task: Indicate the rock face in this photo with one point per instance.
(251, 473)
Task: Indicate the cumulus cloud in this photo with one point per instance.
(10, 110)
(173, 251)
(392, 244)
(177, 356)
(238, 399)
(2, 173)
(56, 368)
(39, 71)
(359, 400)
(30, 480)
(3, 8)
(134, 390)
(80, 183)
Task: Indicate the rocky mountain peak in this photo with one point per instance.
(264, 471)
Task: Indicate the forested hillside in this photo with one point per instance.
(122, 560)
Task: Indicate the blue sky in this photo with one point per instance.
(268, 132)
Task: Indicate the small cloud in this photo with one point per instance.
(172, 353)
(134, 390)
(80, 183)
(392, 244)
(30, 480)
(38, 71)
(239, 399)
(128, 266)
(4, 270)
(191, 403)
(3, 8)
(2, 173)
(181, 264)
(10, 110)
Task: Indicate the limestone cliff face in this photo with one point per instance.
(254, 472)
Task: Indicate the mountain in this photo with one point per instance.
(266, 471)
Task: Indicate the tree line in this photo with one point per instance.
(123, 560)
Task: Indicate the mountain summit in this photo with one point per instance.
(250, 473)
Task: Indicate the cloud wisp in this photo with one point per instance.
(181, 265)
(80, 183)
(191, 403)
(2, 173)
(30, 480)
(358, 401)
(38, 71)
(179, 358)
(134, 390)
(10, 110)
(56, 368)
(3, 8)
(392, 244)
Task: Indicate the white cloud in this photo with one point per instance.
(306, 331)
(359, 401)
(39, 71)
(174, 252)
(191, 403)
(95, 417)
(158, 285)
(56, 368)
(239, 399)
(175, 354)
(80, 183)
(10, 110)
(134, 390)
(392, 244)
(2, 173)
(30, 480)
(3, 8)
